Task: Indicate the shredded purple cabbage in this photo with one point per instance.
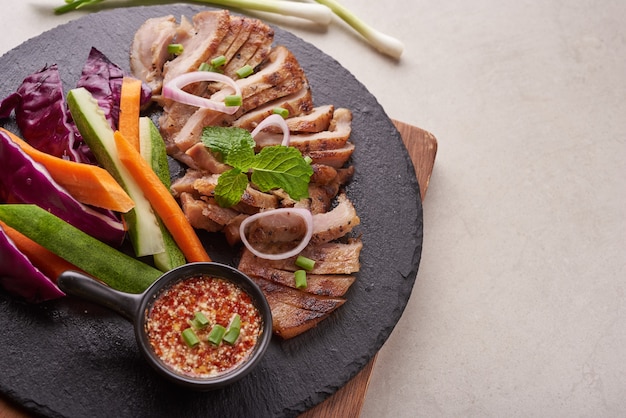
(19, 277)
(22, 180)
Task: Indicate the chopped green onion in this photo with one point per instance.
(300, 277)
(217, 334)
(218, 61)
(204, 67)
(245, 71)
(231, 336)
(305, 263)
(233, 100)
(175, 49)
(281, 111)
(308, 159)
(235, 322)
(199, 321)
(232, 333)
(190, 338)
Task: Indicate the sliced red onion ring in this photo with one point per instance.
(174, 90)
(306, 216)
(274, 120)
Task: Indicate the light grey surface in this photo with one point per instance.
(518, 308)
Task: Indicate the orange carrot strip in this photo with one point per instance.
(46, 261)
(162, 201)
(87, 183)
(130, 103)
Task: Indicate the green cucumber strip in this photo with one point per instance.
(152, 149)
(118, 270)
(143, 227)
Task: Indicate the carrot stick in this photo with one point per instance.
(130, 103)
(87, 183)
(161, 200)
(46, 261)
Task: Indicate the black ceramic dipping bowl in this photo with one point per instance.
(135, 308)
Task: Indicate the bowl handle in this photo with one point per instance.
(85, 287)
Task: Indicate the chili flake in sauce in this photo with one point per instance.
(219, 300)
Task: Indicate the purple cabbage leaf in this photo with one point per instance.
(103, 79)
(18, 276)
(43, 118)
(23, 180)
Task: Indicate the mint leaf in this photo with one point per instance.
(279, 167)
(230, 187)
(234, 145)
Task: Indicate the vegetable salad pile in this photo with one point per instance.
(86, 172)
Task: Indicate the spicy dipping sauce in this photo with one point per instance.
(217, 301)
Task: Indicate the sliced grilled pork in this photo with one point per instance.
(335, 137)
(148, 51)
(293, 311)
(281, 75)
(333, 157)
(202, 158)
(320, 284)
(209, 29)
(289, 321)
(336, 223)
(194, 210)
(297, 103)
(330, 258)
(254, 50)
(185, 184)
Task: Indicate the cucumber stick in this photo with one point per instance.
(118, 270)
(152, 149)
(143, 226)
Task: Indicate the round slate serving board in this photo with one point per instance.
(71, 358)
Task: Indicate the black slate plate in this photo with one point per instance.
(70, 358)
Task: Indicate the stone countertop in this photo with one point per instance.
(519, 301)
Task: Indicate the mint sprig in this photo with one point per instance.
(274, 167)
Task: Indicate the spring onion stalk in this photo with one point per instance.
(284, 113)
(175, 49)
(300, 279)
(190, 338)
(218, 61)
(217, 334)
(309, 11)
(382, 42)
(245, 71)
(199, 321)
(305, 263)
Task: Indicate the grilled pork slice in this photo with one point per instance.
(298, 103)
(254, 50)
(209, 29)
(185, 184)
(335, 285)
(201, 158)
(289, 321)
(148, 51)
(280, 76)
(330, 258)
(333, 157)
(335, 137)
(194, 210)
(335, 223)
(294, 311)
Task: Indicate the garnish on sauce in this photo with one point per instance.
(230, 315)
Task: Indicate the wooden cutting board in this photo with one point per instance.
(348, 401)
